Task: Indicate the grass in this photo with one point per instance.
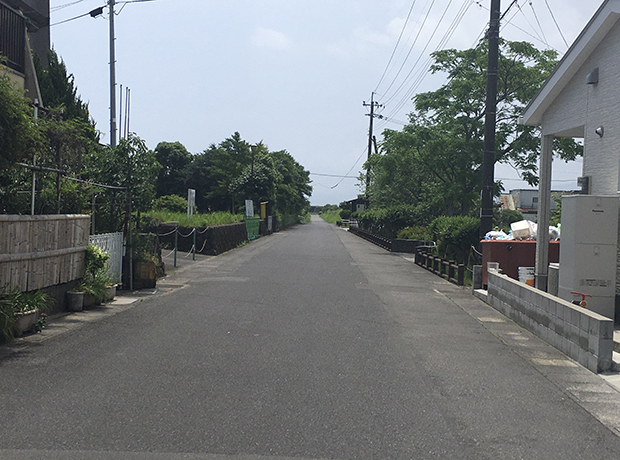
(331, 216)
(197, 220)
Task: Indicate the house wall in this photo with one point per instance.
(602, 154)
(591, 106)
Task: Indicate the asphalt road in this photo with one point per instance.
(307, 344)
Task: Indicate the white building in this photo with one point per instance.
(581, 100)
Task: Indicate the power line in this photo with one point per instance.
(422, 72)
(60, 7)
(349, 171)
(556, 23)
(542, 32)
(396, 46)
(333, 175)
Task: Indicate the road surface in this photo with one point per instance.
(307, 344)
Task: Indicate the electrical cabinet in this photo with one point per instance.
(588, 250)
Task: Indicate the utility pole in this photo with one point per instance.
(111, 4)
(488, 164)
(372, 106)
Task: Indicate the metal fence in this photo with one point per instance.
(113, 244)
(13, 38)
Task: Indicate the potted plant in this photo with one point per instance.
(22, 311)
(29, 306)
(96, 278)
(145, 261)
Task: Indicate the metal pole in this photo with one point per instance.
(176, 243)
(372, 117)
(111, 4)
(488, 164)
(34, 163)
(194, 251)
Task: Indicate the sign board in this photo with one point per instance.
(249, 208)
(191, 202)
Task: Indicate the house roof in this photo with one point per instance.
(591, 36)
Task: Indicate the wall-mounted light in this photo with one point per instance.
(600, 131)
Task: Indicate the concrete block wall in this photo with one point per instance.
(582, 335)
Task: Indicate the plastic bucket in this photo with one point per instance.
(526, 275)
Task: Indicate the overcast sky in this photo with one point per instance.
(291, 73)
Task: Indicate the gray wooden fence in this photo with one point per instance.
(41, 251)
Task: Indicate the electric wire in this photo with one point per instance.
(421, 53)
(422, 72)
(60, 7)
(70, 19)
(349, 171)
(556, 23)
(397, 43)
(411, 48)
(542, 32)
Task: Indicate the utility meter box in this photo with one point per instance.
(588, 250)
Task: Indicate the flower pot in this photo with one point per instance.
(75, 301)
(89, 300)
(25, 321)
(110, 292)
(144, 275)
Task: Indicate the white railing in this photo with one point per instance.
(113, 244)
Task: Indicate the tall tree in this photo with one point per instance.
(437, 158)
(59, 91)
(174, 159)
(20, 136)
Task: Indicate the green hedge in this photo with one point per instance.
(455, 236)
(388, 221)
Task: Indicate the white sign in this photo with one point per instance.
(249, 208)
(191, 202)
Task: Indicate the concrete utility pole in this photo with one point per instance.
(111, 4)
(488, 164)
(372, 106)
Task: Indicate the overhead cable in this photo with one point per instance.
(396, 46)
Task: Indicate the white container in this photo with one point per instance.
(523, 230)
(526, 275)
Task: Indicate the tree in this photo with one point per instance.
(130, 164)
(58, 89)
(293, 187)
(174, 159)
(437, 158)
(18, 129)
(19, 138)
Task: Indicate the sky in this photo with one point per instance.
(293, 74)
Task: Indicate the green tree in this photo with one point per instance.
(437, 158)
(293, 188)
(225, 162)
(174, 159)
(130, 164)
(59, 91)
(20, 137)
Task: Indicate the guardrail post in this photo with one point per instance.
(176, 244)
(461, 278)
(194, 250)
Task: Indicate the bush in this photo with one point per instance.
(388, 221)
(455, 236)
(345, 214)
(414, 233)
(171, 203)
